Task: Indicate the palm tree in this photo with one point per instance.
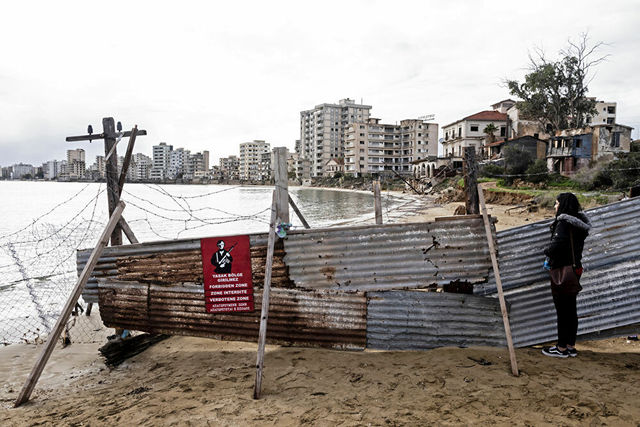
(489, 130)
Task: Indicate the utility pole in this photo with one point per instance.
(114, 184)
(470, 172)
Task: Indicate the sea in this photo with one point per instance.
(44, 224)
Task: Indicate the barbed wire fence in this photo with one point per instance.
(38, 261)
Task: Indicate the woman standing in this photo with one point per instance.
(568, 232)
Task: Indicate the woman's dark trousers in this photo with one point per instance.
(567, 319)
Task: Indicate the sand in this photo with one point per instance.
(195, 381)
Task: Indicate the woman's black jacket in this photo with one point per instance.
(559, 250)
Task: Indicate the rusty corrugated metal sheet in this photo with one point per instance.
(611, 294)
(386, 257)
(417, 320)
(172, 262)
(306, 318)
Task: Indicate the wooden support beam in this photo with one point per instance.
(282, 183)
(297, 211)
(377, 201)
(496, 273)
(100, 136)
(264, 315)
(30, 384)
(470, 172)
(127, 159)
(127, 231)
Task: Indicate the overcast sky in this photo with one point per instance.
(210, 75)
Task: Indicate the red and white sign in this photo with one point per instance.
(226, 264)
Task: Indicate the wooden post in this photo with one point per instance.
(282, 183)
(297, 211)
(127, 159)
(496, 273)
(127, 230)
(111, 172)
(29, 385)
(264, 313)
(377, 201)
(470, 171)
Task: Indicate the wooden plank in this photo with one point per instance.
(29, 385)
(377, 201)
(99, 136)
(127, 159)
(262, 335)
(297, 211)
(282, 183)
(496, 273)
(127, 230)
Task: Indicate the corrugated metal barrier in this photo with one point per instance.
(318, 282)
(366, 286)
(415, 320)
(611, 289)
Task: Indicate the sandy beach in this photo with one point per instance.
(196, 381)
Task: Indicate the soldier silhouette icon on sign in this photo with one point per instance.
(222, 259)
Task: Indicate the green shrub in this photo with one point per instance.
(537, 171)
(491, 170)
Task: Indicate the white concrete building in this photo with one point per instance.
(250, 158)
(229, 168)
(22, 170)
(51, 169)
(142, 165)
(470, 132)
(76, 165)
(322, 131)
(373, 147)
(178, 159)
(161, 160)
(606, 114)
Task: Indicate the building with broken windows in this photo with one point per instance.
(574, 149)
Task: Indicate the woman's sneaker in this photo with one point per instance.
(554, 352)
(572, 352)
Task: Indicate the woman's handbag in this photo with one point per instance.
(565, 280)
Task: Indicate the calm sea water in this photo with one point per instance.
(44, 223)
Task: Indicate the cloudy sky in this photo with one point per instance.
(208, 76)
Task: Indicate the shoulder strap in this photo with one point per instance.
(573, 256)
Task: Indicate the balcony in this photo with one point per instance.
(561, 152)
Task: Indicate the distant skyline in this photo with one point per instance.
(209, 76)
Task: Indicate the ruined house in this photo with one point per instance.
(573, 149)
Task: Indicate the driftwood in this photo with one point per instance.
(118, 350)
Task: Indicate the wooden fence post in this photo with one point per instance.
(377, 201)
(297, 211)
(264, 311)
(282, 183)
(470, 172)
(496, 273)
(29, 385)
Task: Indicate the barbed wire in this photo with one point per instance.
(40, 268)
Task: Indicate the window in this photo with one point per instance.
(503, 131)
(577, 143)
(474, 128)
(611, 110)
(615, 139)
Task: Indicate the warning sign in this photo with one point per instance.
(226, 265)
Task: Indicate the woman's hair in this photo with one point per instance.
(568, 204)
